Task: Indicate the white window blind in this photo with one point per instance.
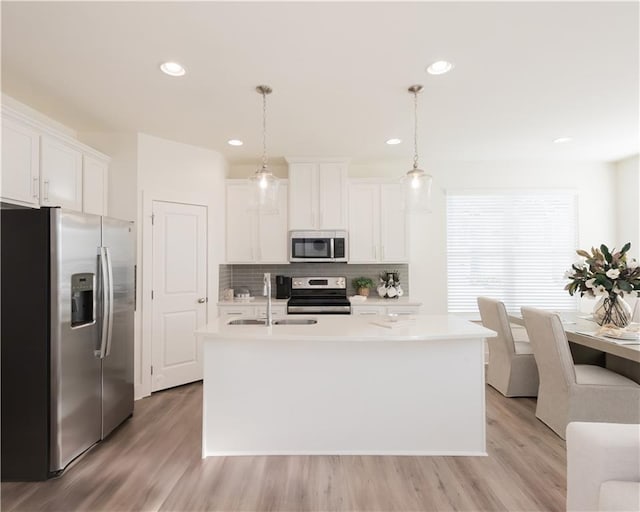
(512, 246)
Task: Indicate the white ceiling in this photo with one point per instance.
(525, 74)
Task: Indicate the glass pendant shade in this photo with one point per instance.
(264, 188)
(263, 184)
(417, 190)
(416, 182)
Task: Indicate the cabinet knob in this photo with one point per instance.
(202, 300)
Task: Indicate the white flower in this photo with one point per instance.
(599, 290)
(633, 264)
(613, 273)
(589, 283)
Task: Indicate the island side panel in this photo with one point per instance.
(343, 397)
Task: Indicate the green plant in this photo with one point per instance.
(362, 282)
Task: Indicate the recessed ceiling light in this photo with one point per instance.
(235, 142)
(172, 69)
(439, 67)
(393, 142)
(560, 140)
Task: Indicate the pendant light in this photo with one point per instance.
(263, 184)
(416, 182)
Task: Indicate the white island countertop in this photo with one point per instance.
(352, 328)
(344, 386)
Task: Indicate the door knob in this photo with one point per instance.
(202, 300)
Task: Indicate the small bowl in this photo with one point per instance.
(392, 317)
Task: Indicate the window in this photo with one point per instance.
(510, 245)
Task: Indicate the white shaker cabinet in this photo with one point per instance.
(317, 194)
(60, 174)
(378, 226)
(20, 163)
(94, 185)
(253, 237)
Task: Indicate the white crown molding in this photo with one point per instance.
(317, 160)
(46, 130)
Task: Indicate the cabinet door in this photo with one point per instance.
(240, 234)
(303, 196)
(277, 311)
(229, 313)
(367, 310)
(20, 163)
(364, 223)
(61, 174)
(332, 196)
(403, 310)
(273, 234)
(394, 226)
(94, 186)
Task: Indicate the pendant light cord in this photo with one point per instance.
(264, 130)
(415, 129)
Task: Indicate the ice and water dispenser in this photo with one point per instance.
(82, 302)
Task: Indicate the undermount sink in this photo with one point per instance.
(247, 321)
(296, 321)
(284, 321)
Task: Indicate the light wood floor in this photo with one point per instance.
(153, 463)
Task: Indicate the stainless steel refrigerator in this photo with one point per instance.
(67, 306)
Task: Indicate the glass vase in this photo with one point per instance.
(612, 309)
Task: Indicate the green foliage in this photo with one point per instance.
(362, 282)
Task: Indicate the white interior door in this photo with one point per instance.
(179, 292)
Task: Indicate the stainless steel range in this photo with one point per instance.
(319, 295)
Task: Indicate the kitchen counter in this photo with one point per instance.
(255, 301)
(345, 386)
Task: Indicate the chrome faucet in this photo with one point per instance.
(267, 293)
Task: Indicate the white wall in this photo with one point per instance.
(628, 203)
(171, 171)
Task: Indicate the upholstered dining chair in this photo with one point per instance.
(575, 392)
(512, 368)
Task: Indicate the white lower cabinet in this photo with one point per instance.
(367, 310)
(231, 311)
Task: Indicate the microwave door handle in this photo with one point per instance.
(110, 296)
(104, 284)
(332, 254)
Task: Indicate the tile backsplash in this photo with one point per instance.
(250, 276)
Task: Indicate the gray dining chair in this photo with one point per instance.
(575, 392)
(512, 368)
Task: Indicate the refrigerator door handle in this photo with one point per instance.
(104, 317)
(110, 304)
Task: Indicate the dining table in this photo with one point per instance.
(588, 347)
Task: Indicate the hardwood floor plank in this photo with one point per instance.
(153, 463)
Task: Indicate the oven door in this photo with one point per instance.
(310, 246)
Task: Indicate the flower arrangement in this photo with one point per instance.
(608, 274)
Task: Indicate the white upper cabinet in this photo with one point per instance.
(20, 163)
(394, 224)
(254, 238)
(364, 223)
(378, 226)
(94, 185)
(43, 166)
(317, 194)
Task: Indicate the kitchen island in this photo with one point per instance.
(345, 385)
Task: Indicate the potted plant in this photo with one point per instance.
(362, 285)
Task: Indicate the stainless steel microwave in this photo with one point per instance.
(310, 246)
